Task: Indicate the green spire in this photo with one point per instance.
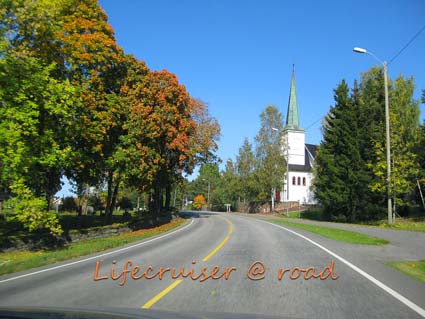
(292, 119)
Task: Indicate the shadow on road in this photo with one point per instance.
(197, 214)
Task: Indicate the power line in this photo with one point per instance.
(312, 124)
(408, 43)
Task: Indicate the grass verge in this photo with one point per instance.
(414, 269)
(335, 233)
(22, 260)
(404, 224)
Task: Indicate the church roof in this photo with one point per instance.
(310, 153)
(312, 149)
(292, 118)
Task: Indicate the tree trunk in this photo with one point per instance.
(85, 200)
(49, 201)
(114, 198)
(108, 210)
(167, 198)
(175, 197)
(157, 200)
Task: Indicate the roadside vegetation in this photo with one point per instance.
(75, 106)
(335, 234)
(255, 174)
(22, 260)
(414, 223)
(414, 269)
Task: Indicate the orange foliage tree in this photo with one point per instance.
(199, 202)
(159, 131)
(128, 125)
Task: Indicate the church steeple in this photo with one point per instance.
(292, 119)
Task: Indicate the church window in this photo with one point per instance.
(293, 181)
(299, 180)
(304, 181)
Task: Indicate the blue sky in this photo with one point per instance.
(237, 55)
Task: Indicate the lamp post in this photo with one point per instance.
(387, 124)
(208, 196)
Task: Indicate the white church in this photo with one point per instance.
(300, 156)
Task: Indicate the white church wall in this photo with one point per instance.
(299, 191)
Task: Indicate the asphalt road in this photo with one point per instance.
(365, 287)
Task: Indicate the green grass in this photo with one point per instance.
(409, 224)
(313, 214)
(416, 223)
(414, 269)
(335, 234)
(292, 215)
(22, 260)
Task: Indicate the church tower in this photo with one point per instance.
(299, 156)
(293, 134)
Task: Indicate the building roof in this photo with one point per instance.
(312, 149)
(310, 153)
(292, 118)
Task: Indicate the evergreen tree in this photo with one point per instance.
(351, 166)
(245, 170)
(340, 176)
(226, 192)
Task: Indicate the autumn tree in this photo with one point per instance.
(203, 141)
(199, 202)
(159, 131)
(74, 105)
(93, 61)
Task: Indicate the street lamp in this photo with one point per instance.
(387, 124)
(208, 197)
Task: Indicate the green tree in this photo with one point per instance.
(36, 112)
(208, 177)
(245, 169)
(351, 166)
(269, 157)
(227, 190)
(404, 129)
(341, 174)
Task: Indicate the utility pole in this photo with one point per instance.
(387, 132)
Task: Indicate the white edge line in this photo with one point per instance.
(97, 256)
(380, 284)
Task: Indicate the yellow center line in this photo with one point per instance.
(216, 249)
(155, 299)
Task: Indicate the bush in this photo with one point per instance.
(33, 214)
